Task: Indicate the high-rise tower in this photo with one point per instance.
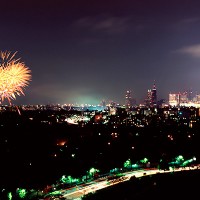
(128, 99)
(151, 99)
(154, 95)
(148, 100)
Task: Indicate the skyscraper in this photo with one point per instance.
(148, 100)
(128, 100)
(151, 99)
(154, 95)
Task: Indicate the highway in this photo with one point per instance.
(77, 192)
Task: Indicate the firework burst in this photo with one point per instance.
(14, 76)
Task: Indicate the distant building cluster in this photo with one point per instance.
(150, 101)
(184, 99)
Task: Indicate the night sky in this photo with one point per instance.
(86, 51)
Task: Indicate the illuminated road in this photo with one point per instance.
(77, 192)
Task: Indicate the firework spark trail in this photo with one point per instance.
(14, 76)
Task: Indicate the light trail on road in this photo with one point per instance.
(76, 193)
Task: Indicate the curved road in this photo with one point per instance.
(79, 191)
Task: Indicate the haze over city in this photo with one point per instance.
(87, 51)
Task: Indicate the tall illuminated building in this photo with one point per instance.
(148, 100)
(128, 100)
(154, 95)
(151, 99)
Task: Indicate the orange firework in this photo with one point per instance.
(14, 76)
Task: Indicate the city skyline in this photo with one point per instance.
(89, 51)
